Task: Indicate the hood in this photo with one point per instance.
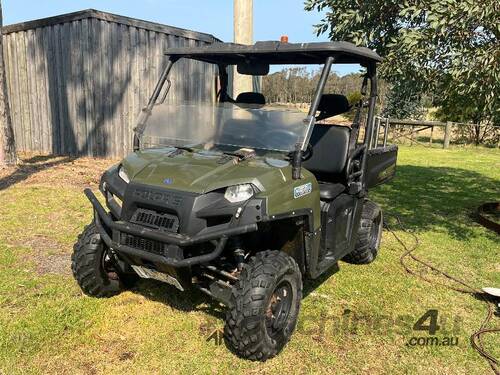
(199, 172)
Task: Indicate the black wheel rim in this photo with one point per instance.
(279, 308)
(107, 264)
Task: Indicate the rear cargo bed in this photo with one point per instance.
(380, 165)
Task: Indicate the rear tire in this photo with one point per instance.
(264, 307)
(92, 266)
(369, 235)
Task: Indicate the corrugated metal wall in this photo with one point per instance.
(76, 87)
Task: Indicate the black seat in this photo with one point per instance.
(331, 105)
(329, 191)
(329, 152)
(251, 98)
(330, 144)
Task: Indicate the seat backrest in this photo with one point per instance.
(251, 98)
(333, 104)
(330, 144)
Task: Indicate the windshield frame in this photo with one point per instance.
(310, 119)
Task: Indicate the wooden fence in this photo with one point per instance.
(77, 81)
(410, 130)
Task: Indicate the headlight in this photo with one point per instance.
(123, 175)
(239, 193)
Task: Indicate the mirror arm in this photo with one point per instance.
(297, 162)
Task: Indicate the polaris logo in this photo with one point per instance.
(158, 197)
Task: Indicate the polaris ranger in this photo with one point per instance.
(239, 198)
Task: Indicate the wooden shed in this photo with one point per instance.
(77, 81)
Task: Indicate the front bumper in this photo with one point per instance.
(111, 230)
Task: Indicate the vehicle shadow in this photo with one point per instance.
(187, 301)
(194, 300)
(311, 285)
(436, 198)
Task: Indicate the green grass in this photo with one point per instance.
(48, 326)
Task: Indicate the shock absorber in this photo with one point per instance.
(239, 256)
(238, 253)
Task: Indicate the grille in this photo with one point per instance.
(156, 220)
(143, 244)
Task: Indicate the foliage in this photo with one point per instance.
(298, 85)
(450, 48)
(477, 134)
(403, 103)
(291, 85)
(460, 109)
(354, 97)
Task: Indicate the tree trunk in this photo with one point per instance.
(477, 128)
(7, 142)
(476, 134)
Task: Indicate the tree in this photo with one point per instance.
(298, 85)
(459, 108)
(449, 48)
(403, 103)
(7, 143)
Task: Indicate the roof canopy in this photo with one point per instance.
(277, 53)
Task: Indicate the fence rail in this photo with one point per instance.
(394, 121)
(416, 127)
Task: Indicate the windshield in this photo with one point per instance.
(269, 127)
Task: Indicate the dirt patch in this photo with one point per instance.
(48, 255)
(126, 356)
(42, 244)
(59, 264)
(337, 120)
(54, 171)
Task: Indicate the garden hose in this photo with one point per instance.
(483, 212)
(476, 337)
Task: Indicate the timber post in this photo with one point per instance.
(447, 134)
(243, 34)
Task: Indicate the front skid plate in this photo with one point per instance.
(147, 273)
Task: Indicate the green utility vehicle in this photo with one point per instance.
(239, 198)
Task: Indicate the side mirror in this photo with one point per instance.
(253, 69)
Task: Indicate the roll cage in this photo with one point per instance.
(225, 55)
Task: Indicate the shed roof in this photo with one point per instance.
(274, 52)
(104, 16)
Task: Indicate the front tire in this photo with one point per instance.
(369, 235)
(264, 307)
(93, 268)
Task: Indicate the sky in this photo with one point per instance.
(272, 18)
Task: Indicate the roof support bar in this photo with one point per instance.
(146, 112)
(371, 114)
(321, 86)
(311, 116)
